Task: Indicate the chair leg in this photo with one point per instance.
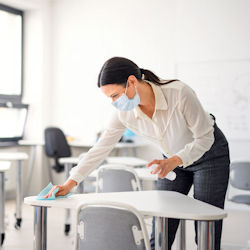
(67, 222)
(68, 167)
(2, 208)
(19, 194)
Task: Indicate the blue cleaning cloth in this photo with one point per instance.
(52, 197)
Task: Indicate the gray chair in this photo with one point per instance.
(240, 179)
(117, 178)
(110, 226)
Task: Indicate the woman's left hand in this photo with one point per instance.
(165, 166)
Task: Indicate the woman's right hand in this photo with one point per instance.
(62, 189)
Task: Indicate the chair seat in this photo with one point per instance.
(244, 199)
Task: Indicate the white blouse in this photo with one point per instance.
(179, 126)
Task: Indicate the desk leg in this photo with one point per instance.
(161, 231)
(134, 152)
(117, 151)
(19, 194)
(181, 236)
(49, 169)
(68, 167)
(2, 207)
(40, 228)
(31, 168)
(206, 231)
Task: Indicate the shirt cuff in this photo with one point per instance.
(186, 160)
(76, 177)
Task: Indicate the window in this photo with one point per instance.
(11, 54)
(13, 120)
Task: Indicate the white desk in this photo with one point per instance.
(18, 157)
(161, 204)
(32, 155)
(4, 166)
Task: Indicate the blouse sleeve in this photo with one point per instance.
(200, 124)
(100, 150)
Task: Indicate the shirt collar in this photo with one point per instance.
(160, 100)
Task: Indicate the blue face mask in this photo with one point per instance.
(123, 103)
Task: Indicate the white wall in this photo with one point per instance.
(216, 31)
(212, 30)
(86, 34)
(156, 35)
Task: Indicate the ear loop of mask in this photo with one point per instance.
(127, 88)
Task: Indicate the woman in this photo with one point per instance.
(169, 114)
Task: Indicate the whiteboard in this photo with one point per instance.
(224, 90)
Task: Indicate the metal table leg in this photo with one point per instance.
(206, 234)
(68, 167)
(161, 231)
(2, 208)
(134, 152)
(181, 236)
(49, 169)
(19, 194)
(31, 167)
(40, 228)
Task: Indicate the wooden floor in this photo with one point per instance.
(235, 227)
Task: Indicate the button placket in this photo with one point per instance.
(161, 137)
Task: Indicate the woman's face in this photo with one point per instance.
(114, 91)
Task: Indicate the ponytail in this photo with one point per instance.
(150, 76)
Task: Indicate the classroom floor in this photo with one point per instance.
(23, 239)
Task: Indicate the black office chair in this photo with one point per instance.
(56, 146)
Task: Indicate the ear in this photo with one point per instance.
(132, 80)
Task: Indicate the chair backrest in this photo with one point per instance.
(56, 145)
(117, 178)
(110, 226)
(240, 175)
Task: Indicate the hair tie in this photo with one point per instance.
(142, 71)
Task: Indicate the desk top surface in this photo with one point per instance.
(118, 145)
(78, 143)
(4, 166)
(167, 204)
(129, 161)
(143, 174)
(13, 156)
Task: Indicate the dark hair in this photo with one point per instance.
(116, 70)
